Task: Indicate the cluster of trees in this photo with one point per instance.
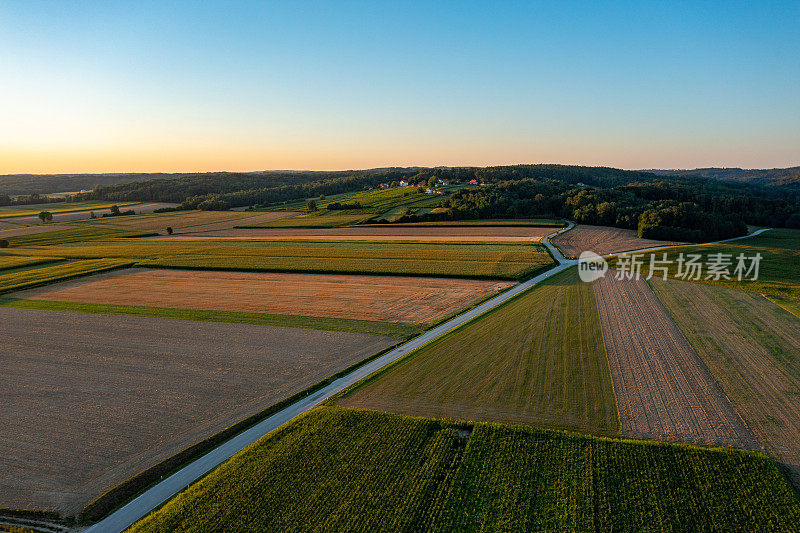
(339, 206)
(31, 199)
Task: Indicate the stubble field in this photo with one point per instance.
(378, 298)
(101, 398)
(664, 391)
(753, 348)
(602, 240)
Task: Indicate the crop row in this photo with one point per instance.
(8, 262)
(39, 276)
(351, 470)
(84, 233)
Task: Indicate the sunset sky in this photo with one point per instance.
(203, 86)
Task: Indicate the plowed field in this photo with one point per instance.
(602, 240)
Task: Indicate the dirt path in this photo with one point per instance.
(664, 391)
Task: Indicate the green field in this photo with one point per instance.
(790, 304)
(351, 470)
(57, 207)
(388, 329)
(29, 278)
(8, 262)
(491, 261)
(317, 219)
(81, 234)
(779, 272)
(537, 359)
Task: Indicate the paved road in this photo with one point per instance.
(137, 508)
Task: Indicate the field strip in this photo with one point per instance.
(664, 391)
(153, 497)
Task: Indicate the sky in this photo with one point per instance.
(205, 86)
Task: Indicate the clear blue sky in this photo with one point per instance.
(148, 86)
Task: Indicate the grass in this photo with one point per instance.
(8, 262)
(350, 470)
(26, 279)
(388, 329)
(790, 304)
(58, 207)
(81, 234)
(500, 261)
(778, 272)
(539, 359)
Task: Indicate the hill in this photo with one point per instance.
(789, 177)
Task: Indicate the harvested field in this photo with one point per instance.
(752, 346)
(20, 230)
(348, 470)
(537, 359)
(13, 279)
(100, 398)
(602, 240)
(663, 389)
(391, 232)
(386, 298)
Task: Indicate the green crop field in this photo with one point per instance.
(370, 327)
(8, 262)
(351, 470)
(81, 234)
(58, 207)
(25, 279)
(790, 304)
(779, 274)
(498, 261)
(539, 358)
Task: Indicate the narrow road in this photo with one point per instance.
(153, 497)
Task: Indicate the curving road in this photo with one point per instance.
(153, 497)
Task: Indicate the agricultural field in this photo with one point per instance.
(790, 304)
(602, 240)
(317, 219)
(752, 347)
(537, 359)
(71, 234)
(663, 389)
(103, 397)
(25, 278)
(16, 230)
(493, 261)
(500, 222)
(185, 222)
(58, 207)
(8, 262)
(779, 274)
(395, 232)
(374, 298)
(348, 470)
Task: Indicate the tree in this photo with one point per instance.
(3, 243)
(114, 210)
(432, 182)
(311, 205)
(45, 216)
(92, 215)
(169, 230)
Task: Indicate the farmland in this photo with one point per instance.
(336, 469)
(8, 262)
(752, 347)
(494, 261)
(76, 234)
(33, 277)
(58, 207)
(602, 240)
(374, 298)
(185, 222)
(664, 392)
(537, 359)
(103, 397)
(778, 270)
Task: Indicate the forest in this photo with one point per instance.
(687, 208)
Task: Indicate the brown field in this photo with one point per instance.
(389, 233)
(753, 348)
(381, 298)
(191, 222)
(602, 240)
(100, 397)
(663, 389)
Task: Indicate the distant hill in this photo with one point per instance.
(789, 177)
